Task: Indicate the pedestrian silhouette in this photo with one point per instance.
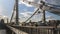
(2, 21)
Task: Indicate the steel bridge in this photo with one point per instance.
(16, 29)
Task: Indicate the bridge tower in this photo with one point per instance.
(15, 14)
(43, 11)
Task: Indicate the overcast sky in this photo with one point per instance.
(25, 10)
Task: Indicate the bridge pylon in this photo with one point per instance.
(15, 14)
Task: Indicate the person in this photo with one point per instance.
(2, 21)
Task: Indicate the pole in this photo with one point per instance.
(43, 16)
(43, 11)
(17, 16)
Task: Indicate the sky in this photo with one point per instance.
(25, 10)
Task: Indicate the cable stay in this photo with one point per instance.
(12, 14)
(32, 15)
(53, 8)
(15, 10)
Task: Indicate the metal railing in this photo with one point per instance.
(35, 30)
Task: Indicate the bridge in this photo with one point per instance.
(16, 29)
(30, 28)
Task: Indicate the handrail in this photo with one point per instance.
(17, 31)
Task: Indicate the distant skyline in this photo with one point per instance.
(6, 7)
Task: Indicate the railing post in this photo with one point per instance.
(55, 31)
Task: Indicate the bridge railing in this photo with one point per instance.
(35, 30)
(15, 30)
(38, 30)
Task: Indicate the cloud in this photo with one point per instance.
(26, 3)
(50, 18)
(1, 10)
(56, 2)
(26, 14)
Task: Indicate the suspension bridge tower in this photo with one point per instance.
(17, 16)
